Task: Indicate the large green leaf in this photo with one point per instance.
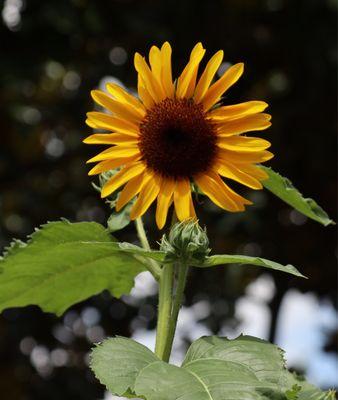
(262, 357)
(157, 255)
(266, 360)
(214, 369)
(117, 362)
(64, 263)
(283, 188)
(206, 379)
(258, 261)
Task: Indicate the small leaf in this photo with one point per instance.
(283, 188)
(63, 264)
(258, 261)
(117, 362)
(119, 220)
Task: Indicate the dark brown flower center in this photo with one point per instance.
(176, 140)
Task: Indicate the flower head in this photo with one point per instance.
(176, 134)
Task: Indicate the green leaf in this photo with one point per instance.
(283, 188)
(64, 263)
(258, 261)
(157, 255)
(117, 362)
(214, 369)
(293, 393)
(119, 220)
(123, 365)
(261, 356)
(207, 379)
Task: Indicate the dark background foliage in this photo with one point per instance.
(54, 52)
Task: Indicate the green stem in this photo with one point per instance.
(181, 282)
(164, 309)
(142, 233)
(151, 265)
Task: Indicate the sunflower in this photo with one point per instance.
(177, 136)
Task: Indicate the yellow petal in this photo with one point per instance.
(91, 124)
(230, 171)
(116, 152)
(243, 143)
(254, 170)
(144, 200)
(255, 122)
(213, 187)
(192, 209)
(244, 157)
(186, 82)
(105, 121)
(167, 80)
(163, 201)
(122, 110)
(155, 62)
(150, 82)
(207, 76)
(132, 188)
(216, 90)
(108, 165)
(182, 198)
(238, 110)
(241, 201)
(111, 138)
(143, 93)
(125, 97)
(123, 176)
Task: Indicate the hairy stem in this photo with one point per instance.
(151, 265)
(181, 282)
(164, 309)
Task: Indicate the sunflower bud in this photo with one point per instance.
(186, 241)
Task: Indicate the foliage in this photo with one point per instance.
(258, 261)
(79, 260)
(284, 189)
(38, 185)
(214, 368)
(62, 264)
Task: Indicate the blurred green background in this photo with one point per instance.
(52, 54)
